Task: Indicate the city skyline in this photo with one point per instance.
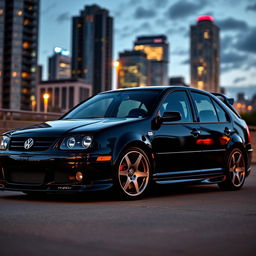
(137, 18)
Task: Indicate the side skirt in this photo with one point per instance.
(206, 176)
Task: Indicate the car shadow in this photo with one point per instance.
(156, 191)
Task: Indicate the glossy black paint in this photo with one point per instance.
(174, 149)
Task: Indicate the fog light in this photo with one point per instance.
(79, 176)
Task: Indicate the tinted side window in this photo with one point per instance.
(177, 102)
(131, 108)
(223, 117)
(205, 108)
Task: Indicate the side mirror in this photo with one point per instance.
(170, 117)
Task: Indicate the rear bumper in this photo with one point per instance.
(54, 172)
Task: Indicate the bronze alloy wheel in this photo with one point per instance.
(236, 171)
(237, 168)
(134, 172)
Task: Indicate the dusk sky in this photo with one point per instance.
(236, 19)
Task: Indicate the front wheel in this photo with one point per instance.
(133, 174)
(236, 170)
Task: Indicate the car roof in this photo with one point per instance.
(161, 87)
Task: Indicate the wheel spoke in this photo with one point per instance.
(233, 178)
(238, 178)
(238, 160)
(233, 160)
(128, 181)
(123, 173)
(137, 163)
(136, 185)
(141, 174)
(128, 161)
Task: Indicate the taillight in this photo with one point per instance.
(248, 134)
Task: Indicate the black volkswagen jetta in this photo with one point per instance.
(127, 139)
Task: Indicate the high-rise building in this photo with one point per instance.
(157, 50)
(59, 65)
(92, 41)
(204, 54)
(18, 53)
(132, 69)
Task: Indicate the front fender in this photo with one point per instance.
(130, 139)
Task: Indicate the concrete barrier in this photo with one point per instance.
(253, 140)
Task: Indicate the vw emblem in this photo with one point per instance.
(28, 143)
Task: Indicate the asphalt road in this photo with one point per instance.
(194, 220)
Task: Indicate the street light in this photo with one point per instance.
(33, 102)
(46, 97)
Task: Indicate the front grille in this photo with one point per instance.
(40, 143)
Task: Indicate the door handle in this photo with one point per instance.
(195, 132)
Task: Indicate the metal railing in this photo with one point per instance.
(10, 114)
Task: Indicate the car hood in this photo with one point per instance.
(61, 127)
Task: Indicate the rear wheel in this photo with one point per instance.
(133, 174)
(236, 170)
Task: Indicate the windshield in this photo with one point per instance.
(119, 104)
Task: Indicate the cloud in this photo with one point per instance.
(251, 7)
(63, 17)
(180, 52)
(233, 57)
(49, 8)
(239, 79)
(247, 41)
(232, 24)
(185, 62)
(227, 43)
(183, 9)
(233, 60)
(143, 13)
(159, 3)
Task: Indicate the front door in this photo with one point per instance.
(174, 143)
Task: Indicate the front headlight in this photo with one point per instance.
(4, 142)
(76, 142)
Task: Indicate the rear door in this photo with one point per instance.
(215, 130)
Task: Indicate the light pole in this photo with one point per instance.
(116, 65)
(46, 97)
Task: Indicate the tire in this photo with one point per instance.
(132, 174)
(236, 171)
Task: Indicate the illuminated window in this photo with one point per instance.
(200, 85)
(25, 91)
(1, 11)
(153, 53)
(206, 35)
(89, 18)
(33, 69)
(200, 70)
(26, 45)
(79, 25)
(14, 74)
(19, 13)
(25, 74)
(30, 8)
(26, 22)
(63, 65)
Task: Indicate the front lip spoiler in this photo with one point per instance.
(56, 188)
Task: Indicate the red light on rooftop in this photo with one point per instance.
(205, 17)
(157, 40)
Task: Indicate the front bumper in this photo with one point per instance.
(53, 172)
